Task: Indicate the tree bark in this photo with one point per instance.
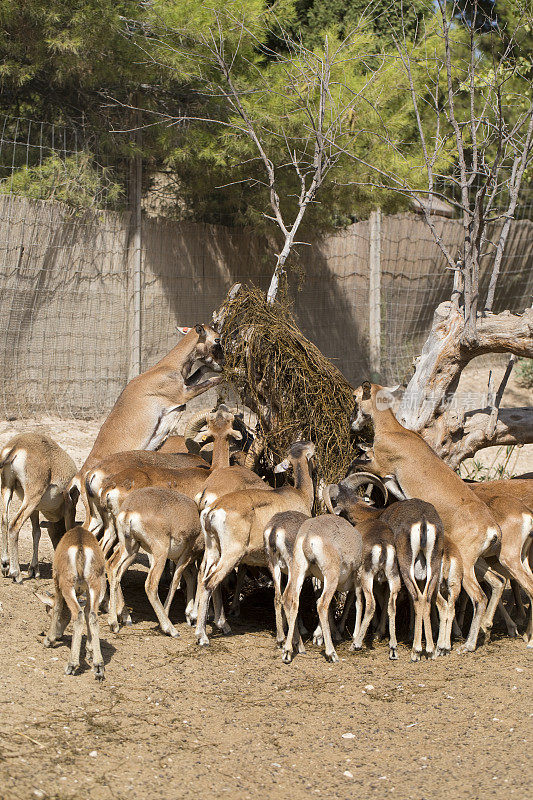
(513, 426)
(444, 356)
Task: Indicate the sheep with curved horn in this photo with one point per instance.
(403, 454)
(379, 560)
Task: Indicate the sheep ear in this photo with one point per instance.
(200, 330)
(367, 388)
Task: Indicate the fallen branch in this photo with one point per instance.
(455, 443)
(444, 356)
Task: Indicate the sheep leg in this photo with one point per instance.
(193, 616)
(497, 585)
(429, 594)
(512, 630)
(109, 535)
(33, 568)
(479, 599)
(291, 602)
(521, 572)
(519, 603)
(350, 597)
(203, 596)
(367, 581)
(7, 494)
(76, 612)
(235, 607)
(394, 587)
(179, 569)
(442, 607)
(331, 579)
(122, 559)
(157, 565)
(77, 633)
(93, 651)
(381, 592)
(219, 617)
(190, 577)
(275, 571)
(28, 506)
(460, 616)
(358, 609)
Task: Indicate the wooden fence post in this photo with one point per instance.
(374, 294)
(136, 264)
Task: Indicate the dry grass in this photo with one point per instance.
(293, 388)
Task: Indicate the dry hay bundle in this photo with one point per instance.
(293, 388)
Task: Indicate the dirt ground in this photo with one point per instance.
(171, 720)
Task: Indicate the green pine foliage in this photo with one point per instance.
(74, 180)
(88, 64)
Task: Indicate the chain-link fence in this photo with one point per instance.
(68, 279)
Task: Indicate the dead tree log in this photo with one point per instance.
(427, 405)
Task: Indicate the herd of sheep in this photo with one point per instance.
(401, 516)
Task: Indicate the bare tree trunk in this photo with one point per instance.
(428, 403)
(513, 426)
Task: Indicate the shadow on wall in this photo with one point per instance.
(188, 269)
(65, 300)
(63, 280)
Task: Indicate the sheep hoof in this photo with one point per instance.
(286, 657)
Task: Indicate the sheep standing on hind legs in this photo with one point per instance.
(38, 470)
(419, 472)
(78, 567)
(150, 404)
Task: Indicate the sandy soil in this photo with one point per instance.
(172, 720)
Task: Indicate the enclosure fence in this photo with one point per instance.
(71, 271)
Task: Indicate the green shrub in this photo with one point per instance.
(524, 372)
(74, 180)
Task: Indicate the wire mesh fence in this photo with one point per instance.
(46, 161)
(67, 259)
